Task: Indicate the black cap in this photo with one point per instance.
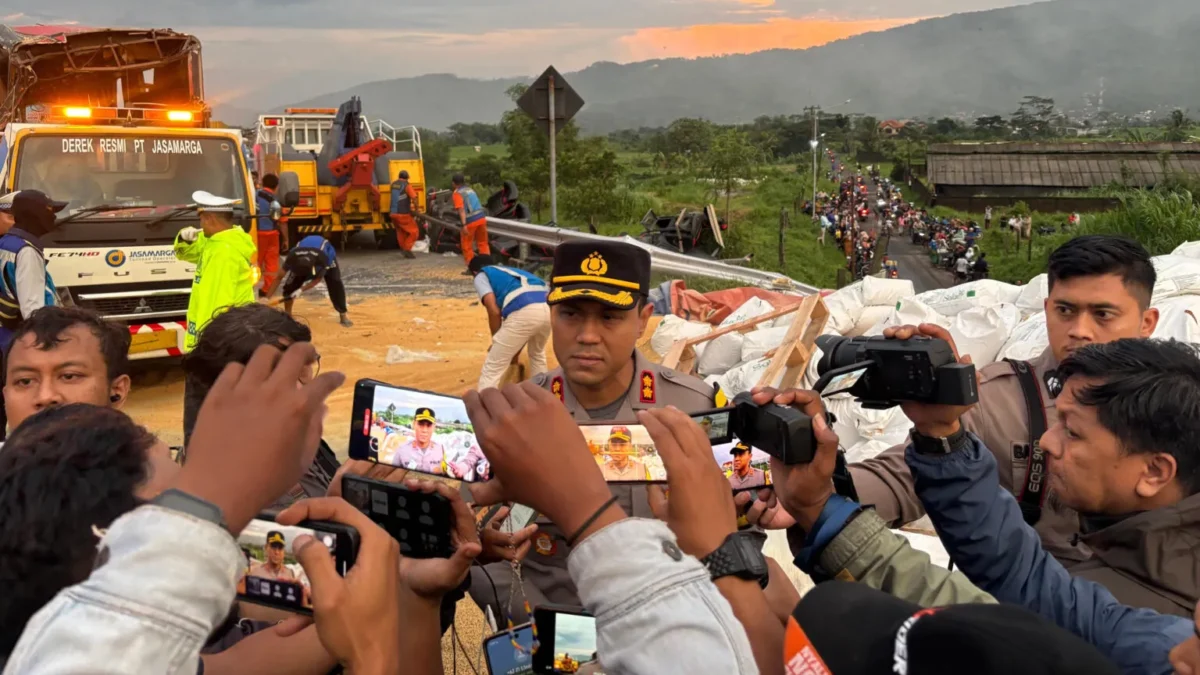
(458, 179)
(275, 537)
(739, 449)
(425, 415)
(404, 174)
(32, 203)
(845, 628)
(610, 272)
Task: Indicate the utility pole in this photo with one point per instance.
(815, 111)
(553, 158)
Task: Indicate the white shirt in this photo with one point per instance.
(962, 265)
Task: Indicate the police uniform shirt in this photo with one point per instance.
(415, 458)
(263, 571)
(632, 471)
(756, 478)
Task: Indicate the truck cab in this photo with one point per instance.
(124, 136)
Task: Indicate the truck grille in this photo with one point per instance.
(158, 303)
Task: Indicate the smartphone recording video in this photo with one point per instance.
(510, 652)
(625, 453)
(745, 468)
(566, 642)
(272, 576)
(415, 430)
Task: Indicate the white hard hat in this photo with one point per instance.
(7, 200)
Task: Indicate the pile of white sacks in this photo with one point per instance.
(990, 320)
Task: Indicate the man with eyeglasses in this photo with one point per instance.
(232, 337)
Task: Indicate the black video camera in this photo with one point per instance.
(782, 432)
(883, 372)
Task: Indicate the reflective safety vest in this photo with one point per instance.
(474, 209)
(10, 303)
(401, 202)
(514, 288)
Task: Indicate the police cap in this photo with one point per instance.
(610, 272)
(424, 415)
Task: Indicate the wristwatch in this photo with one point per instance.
(739, 556)
(940, 445)
(178, 500)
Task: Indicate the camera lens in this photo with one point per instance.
(836, 352)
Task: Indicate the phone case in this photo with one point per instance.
(420, 522)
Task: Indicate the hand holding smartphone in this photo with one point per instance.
(272, 576)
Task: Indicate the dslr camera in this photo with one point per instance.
(883, 372)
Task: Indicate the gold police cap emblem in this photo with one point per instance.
(594, 265)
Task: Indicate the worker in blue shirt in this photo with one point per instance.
(518, 317)
(310, 262)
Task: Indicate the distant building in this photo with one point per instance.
(891, 127)
(1021, 170)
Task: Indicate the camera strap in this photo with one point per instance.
(843, 482)
(1033, 493)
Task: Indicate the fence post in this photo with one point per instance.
(783, 223)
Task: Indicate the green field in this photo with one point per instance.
(459, 154)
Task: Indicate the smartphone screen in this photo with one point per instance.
(745, 468)
(505, 658)
(271, 575)
(625, 453)
(567, 643)
(415, 430)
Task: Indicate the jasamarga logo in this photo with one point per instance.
(152, 255)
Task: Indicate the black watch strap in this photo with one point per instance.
(941, 445)
(739, 556)
(178, 500)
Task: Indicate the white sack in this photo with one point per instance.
(1033, 295)
(870, 316)
(1177, 275)
(864, 450)
(672, 329)
(982, 293)
(845, 307)
(745, 376)
(1179, 318)
(876, 291)
(758, 343)
(908, 312)
(982, 331)
(750, 309)
(1188, 249)
(1028, 340)
(720, 355)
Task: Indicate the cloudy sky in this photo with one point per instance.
(258, 50)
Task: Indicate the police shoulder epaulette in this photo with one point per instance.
(994, 371)
(690, 381)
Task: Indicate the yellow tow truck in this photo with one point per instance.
(344, 183)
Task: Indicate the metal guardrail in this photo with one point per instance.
(661, 260)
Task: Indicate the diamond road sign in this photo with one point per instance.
(536, 101)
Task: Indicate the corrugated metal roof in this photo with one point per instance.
(1060, 165)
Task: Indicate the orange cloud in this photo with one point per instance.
(743, 38)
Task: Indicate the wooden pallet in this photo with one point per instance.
(790, 358)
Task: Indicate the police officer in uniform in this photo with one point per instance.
(599, 312)
(1100, 291)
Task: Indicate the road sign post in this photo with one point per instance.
(551, 102)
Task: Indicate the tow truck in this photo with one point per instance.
(114, 122)
(343, 181)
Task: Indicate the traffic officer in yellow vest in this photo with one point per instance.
(599, 312)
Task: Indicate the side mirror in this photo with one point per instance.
(289, 190)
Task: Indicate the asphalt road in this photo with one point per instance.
(912, 261)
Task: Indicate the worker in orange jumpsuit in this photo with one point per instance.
(472, 217)
(404, 201)
(272, 230)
